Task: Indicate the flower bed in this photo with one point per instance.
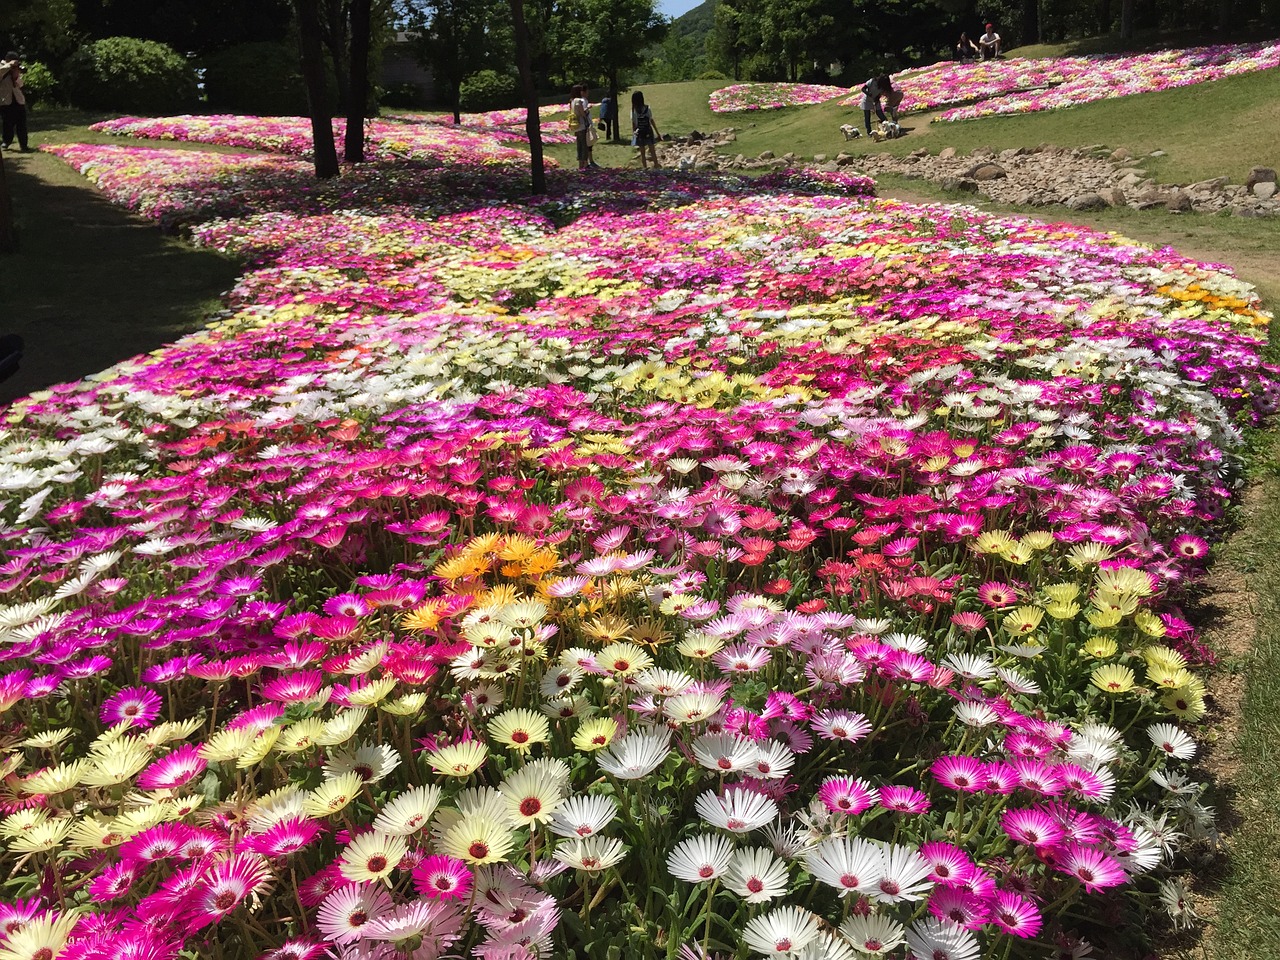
(507, 125)
(771, 96)
(435, 143)
(1015, 85)
(790, 575)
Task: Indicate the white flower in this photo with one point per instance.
(781, 932)
(1172, 741)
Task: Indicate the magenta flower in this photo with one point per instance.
(442, 878)
(136, 706)
(966, 774)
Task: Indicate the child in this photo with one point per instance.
(644, 132)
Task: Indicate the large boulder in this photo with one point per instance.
(1260, 175)
(1086, 201)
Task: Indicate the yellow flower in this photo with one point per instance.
(1062, 592)
(1186, 704)
(227, 744)
(699, 646)
(300, 736)
(1038, 540)
(459, 759)
(372, 856)
(517, 548)
(1171, 678)
(342, 727)
(48, 739)
(1088, 555)
(15, 825)
(117, 762)
(1160, 655)
(408, 705)
(371, 693)
(1023, 620)
(424, 617)
(1149, 623)
(993, 541)
(519, 729)
(1104, 618)
(43, 836)
(1125, 580)
(1113, 679)
(607, 628)
(333, 795)
(41, 937)
(595, 734)
(1101, 648)
(477, 840)
(1062, 611)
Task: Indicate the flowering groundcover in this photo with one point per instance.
(771, 96)
(1015, 85)
(778, 575)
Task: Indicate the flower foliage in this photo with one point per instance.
(787, 574)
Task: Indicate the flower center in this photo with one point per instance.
(478, 850)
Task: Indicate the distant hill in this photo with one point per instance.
(695, 24)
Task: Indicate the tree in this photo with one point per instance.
(532, 123)
(39, 28)
(358, 92)
(457, 38)
(310, 44)
(189, 26)
(603, 38)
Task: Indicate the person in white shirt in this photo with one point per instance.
(989, 43)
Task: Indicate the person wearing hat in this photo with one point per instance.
(13, 102)
(989, 43)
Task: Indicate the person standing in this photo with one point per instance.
(580, 124)
(13, 103)
(989, 43)
(608, 118)
(644, 132)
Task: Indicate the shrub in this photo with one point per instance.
(404, 96)
(129, 75)
(488, 90)
(38, 82)
(712, 75)
(262, 79)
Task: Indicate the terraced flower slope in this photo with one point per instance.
(793, 575)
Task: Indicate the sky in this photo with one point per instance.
(673, 8)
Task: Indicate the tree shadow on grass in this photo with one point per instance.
(92, 285)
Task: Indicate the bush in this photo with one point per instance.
(38, 83)
(131, 76)
(712, 75)
(404, 96)
(261, 79)
(488, 90)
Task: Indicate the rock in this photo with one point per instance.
(1178, 202)
(946, 153)
(844, 160)
(1120, 153)
(695, 136)
(1149, 199)
(789, 157)
(728, 137)
(1264, 189)
(1113, 196)
(1209, 186)
(1156, 153)
(918, 153)
(766, 155)
(988, 171)
(960, 184)
(1260, 175)
(819, 158)
(1248, 212)
(1086, 201)
(982, 152)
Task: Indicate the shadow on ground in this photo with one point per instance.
(92, 285)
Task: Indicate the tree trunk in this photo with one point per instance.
(613, 127)
(361, 28)
(312, 50)
(8, 235)
(533, 123)
(335, 38)
(1030, 21)
(1126, 20)
(1104, 16)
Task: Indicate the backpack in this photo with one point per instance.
(644, 125)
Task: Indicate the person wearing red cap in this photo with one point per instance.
(989, 43)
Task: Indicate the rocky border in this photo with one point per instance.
(1085, 178)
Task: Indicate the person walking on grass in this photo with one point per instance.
(580, 124)
(13, 102)
(644, 132)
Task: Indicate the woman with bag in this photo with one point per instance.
(580, 124)
(644, 132)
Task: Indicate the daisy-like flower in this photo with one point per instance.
(284, 837)
(1093, 868)
(872, 933)
(583, 815)
(224, 886)
(934, 939)
(136, 706)
(531, 795)
(1015, 914)
(693, 706)
(624, 659)
(756, 875)
(519, 729)
(433, 922)
(347, 911)
(773, 761)
(180, 767)
(959, 906)
(372, 761)
(781, 932)
(590, 854)
(442, 878)
(595, 733)
(724, 752)
(966, 774)
(372, 856)
(409, 812)
(737, 810)
(1172, 741)
(904, 874)
(1035, 828)
(841, 725)
(39, 938)
(850, 864)
(636, 755)
(902, 799)
(459, 759)
(846, 795)
(477, 840)
(1113, 678)
(333, 795)
(700, 859)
